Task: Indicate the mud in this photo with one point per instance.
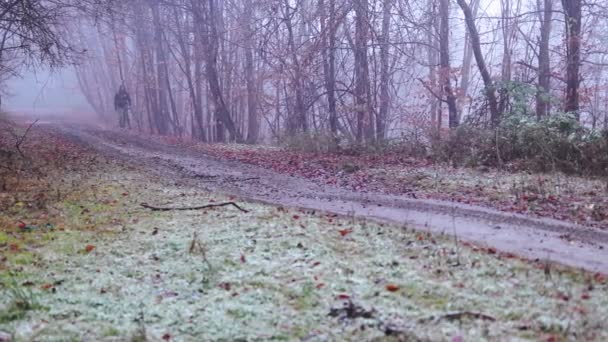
(532, 238)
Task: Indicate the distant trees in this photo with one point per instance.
(362, 71)
(33, 32)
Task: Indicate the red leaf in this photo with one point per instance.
(46, 286)
(585, 296)
(225, 286)
(166, 337)
(345, 232)
(22, 225)
(562, 296)
(343, 296)
(89, 248)
(296, 217)
(243, 260)
(392, 288)
(320, 285)
(491, 250)
(598, 277)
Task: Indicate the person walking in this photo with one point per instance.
(122, 103)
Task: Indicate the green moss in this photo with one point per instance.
(21, 300)
(22, 258)
(237, 313)
(4, 238)
(111, 332)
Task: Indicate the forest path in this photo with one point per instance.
(532, 238)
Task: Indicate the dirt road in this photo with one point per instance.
(542, 239)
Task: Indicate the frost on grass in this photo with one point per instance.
(277, 273)
(564, 197)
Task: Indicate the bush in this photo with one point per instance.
(557, 143)
(311, 142)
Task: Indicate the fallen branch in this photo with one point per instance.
(211, 179)
(467, 314)
(153, 208)
(19, 140)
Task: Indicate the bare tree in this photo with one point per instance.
(490, 90)
(544, 61)
(362, 91)
(444, 58)
(573, 18)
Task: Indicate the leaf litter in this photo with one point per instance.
(113, 270)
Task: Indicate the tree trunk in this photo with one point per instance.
(253, 125)
(572, 16)
(222, 114)
(467, 59)
(444, 58)
(544, 62)
(362, 91)
(298, 119)
(163, 118)
(481, 63)
(432, 48)
(381, 119)
(329, 63)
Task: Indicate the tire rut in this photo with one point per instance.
(529, 237)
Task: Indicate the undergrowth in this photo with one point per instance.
(520, 143)
(20, 298)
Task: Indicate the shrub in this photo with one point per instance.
(311, 142)
(558, 143)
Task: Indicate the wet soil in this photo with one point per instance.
(532, 238)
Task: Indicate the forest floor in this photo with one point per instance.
(575, 199)
(82, 259)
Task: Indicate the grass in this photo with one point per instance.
(271, 274)
(20, 300)
(278, 273)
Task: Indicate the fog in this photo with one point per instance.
(44, 92)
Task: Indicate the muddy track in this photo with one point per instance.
(528, 237)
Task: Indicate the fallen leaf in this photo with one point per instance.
(89, 248)
(392, 288)
(598, 277)
(345, 232)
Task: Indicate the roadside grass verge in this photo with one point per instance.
(282, 274)
(107, 269)
(583, 200)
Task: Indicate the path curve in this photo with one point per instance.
(532, 238)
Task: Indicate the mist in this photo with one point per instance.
(303, 170)
(46, 93)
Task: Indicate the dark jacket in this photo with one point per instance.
(122, 99)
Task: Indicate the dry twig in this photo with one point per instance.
(153, 208)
